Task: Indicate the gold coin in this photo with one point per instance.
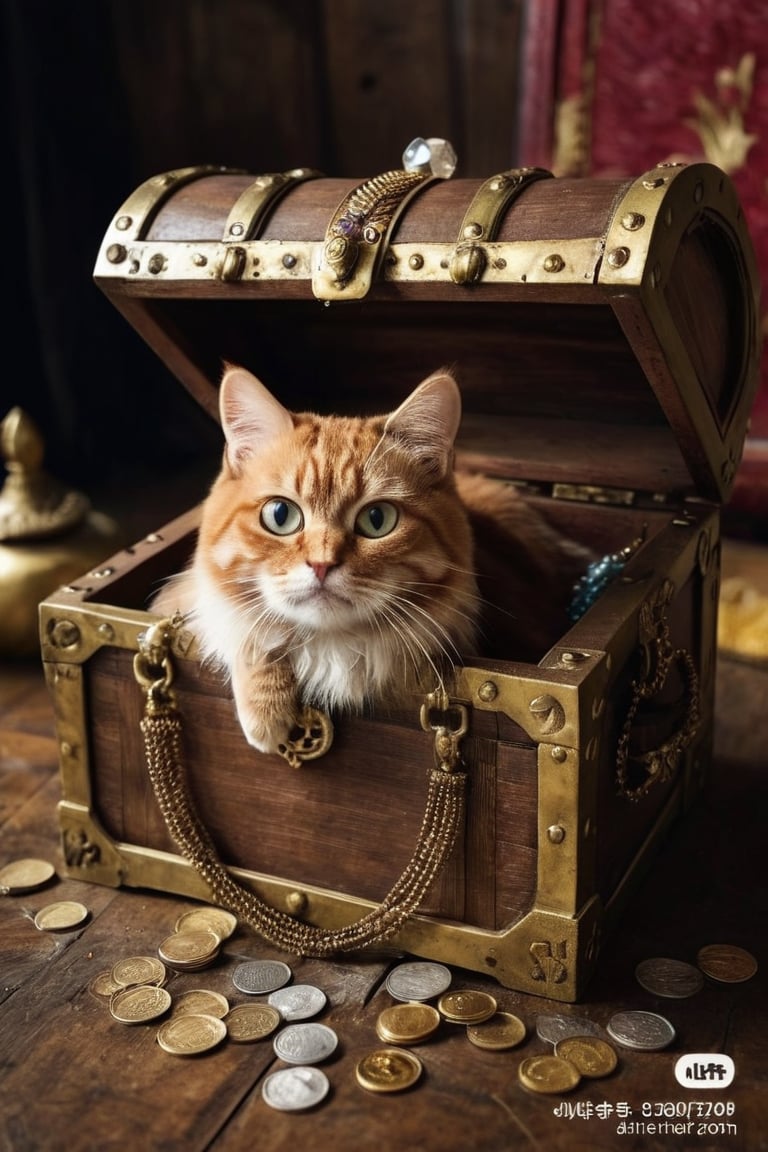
(726, 963)
(216, 920)
(191, 1035)
(502, 1030)
(190, 951)
(250, 1022)
(200, 1002)
(139, 1003)
(590, 1056)
(24, 876)
(60, 916)
(388, 1070)
(407, 1023)
(139, 970)
(467, 1006)
(548, 1074)
(103, 986)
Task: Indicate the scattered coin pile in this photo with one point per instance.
(197, 1020)
(412, 1021)
(677, 979)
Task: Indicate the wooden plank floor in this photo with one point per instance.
(73, 1078)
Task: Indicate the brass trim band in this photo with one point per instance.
(252, 206)
(138, 211)
(483, 218)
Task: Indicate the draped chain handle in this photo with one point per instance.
(161, 727)
(659, 764)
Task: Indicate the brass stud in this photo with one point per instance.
(416, 261)
(234, 264)
(66, 748)
(473, 231)
(618, 257)
(554, 263)
(106, 631)
(123, 223)
(65, 634)
(371, 235)
(555, 833)
(632, 221)
(467, 264)
(199, 260)
(548, 712)
(156, 263)
(488, 691)
(116, 253)
(572, 658)
(289, 260)
(296, 902)
(559, 755)
(236, 229)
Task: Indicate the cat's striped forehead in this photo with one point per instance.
(330, 461)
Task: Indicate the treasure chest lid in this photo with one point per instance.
(604, 331)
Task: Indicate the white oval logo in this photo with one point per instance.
(705, 1070)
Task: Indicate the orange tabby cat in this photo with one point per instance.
(335, 562)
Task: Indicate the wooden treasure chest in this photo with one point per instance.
(605, 336)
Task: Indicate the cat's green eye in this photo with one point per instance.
(282, 517)
(376, 520)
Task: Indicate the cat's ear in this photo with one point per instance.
(427, 422)
(250, 415)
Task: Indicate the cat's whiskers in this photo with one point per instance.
(415, 588)
(416, 649)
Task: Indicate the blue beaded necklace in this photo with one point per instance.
(598, 576)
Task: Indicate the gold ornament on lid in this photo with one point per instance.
(49, 534)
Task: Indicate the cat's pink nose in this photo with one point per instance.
(320, 570)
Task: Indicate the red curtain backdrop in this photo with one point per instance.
(613, 87)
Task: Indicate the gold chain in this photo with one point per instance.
(660, 764)
(161, 726)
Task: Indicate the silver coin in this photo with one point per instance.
(643, 1030)
(419, 980)
(305, 1043)
(672, 978)
(298, 1002)
(292, 1089)
(557, 1027)
(257, 977)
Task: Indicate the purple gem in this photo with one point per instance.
(348, 226)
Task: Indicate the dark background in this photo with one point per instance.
(101, 95)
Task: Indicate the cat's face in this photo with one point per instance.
(334, 523)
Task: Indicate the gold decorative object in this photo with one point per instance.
(742, 623)
(49, 535)
(720, 122)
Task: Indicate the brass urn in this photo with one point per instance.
(49, 535)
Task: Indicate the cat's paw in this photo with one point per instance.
(265, 698)
(266, 736)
